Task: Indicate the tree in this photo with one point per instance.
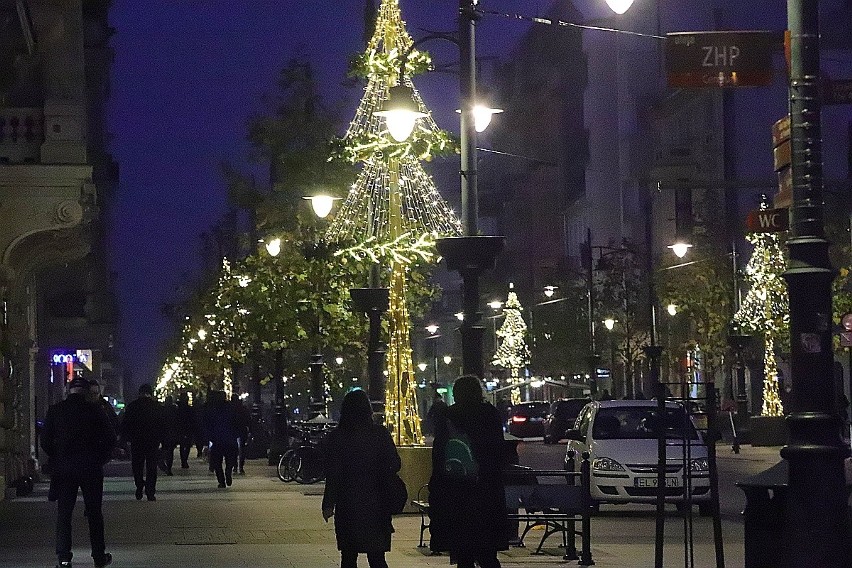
(512, 353)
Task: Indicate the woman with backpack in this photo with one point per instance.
(467, 501)
(360, 460)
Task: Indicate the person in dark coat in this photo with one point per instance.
(79, 439)
(185, 429)
(468, 516)
(243, 423)
(359, 455)
(142, 427)
(170, 435)
(221, 427)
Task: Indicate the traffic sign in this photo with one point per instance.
(768, 220)
(720, 59)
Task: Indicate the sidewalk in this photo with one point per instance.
(262, 522)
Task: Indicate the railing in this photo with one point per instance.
(21, 135)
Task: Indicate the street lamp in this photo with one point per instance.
(321, 204)
(433, 335)
(472, 253)
(680, 248)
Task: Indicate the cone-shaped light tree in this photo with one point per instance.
(765, 310)
(393, 211)
(513, 352)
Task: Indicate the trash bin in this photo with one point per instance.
(763, 516)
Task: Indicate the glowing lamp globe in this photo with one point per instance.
(680, 249)
(447, 359)
(273, 247)
(609, 323)
(400, 112)
(672, 309)
(482, 115)
(619, 6)
(432, 329)
(321, 204)
(421, 366)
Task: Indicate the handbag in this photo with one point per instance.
(395, 494)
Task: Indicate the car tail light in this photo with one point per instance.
(519, 418)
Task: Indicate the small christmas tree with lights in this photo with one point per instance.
(765, 309)
(513, 353)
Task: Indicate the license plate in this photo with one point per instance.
(652, 482)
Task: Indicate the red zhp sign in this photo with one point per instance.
(768, 221)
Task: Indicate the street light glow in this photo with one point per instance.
(422, 367)
(400, 112)
(338, 360)
(273, 247)
(609, 323)
(619, 6)
(482, 115)
(680, 249)
(549, 291)
(495, 304)
(447, 359)
(321, 204)
(672, 309)
(432, 329)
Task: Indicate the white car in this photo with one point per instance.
(622, 444)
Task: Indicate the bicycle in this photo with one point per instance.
(304, 463)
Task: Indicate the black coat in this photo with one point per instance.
(77, 437)
(357, 461)
(143, 425)
(468, 515)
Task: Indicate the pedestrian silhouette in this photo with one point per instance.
(170, 435)
(467, 502)
(360, 457)
(185, 429)
(78, 439)
(142, 426)
(221, 427)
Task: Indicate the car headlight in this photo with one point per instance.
(606, 464)
(699, 464)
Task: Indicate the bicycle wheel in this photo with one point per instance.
(285, 474)
(309, 467)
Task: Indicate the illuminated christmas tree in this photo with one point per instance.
(393, 211)
(513, 353)
(765, 310)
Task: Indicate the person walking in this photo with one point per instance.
(242, 419)
(467, 502)
(78, 439)
(221, 427)
(170, 435)
(185, 429)
(360, 457)
(142, 426)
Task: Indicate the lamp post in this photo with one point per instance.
(433, 336)
(816, 527)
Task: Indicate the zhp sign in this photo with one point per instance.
(720, 59)
(768, 220)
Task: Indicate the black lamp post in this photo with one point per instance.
(373, 302)
(816, 527)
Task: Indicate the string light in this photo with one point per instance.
(513, 352)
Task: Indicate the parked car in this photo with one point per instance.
(563, 413)
(621, 439)
(526, 419)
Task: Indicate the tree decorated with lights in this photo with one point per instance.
(765, 309)
(513, 353)
(393, 212)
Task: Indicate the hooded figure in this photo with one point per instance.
(467, 502)
(360, 457)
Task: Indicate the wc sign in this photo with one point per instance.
(720, 59)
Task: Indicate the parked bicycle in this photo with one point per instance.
(303, 463)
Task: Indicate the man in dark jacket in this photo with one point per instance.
(142, 427)
(467, 505)
(79, 439)
(185, 428)
(221, 427)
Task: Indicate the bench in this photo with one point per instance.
(555, 506)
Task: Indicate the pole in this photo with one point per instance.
(467, 89)
(653, 353)
(594, 358)
(816, 522)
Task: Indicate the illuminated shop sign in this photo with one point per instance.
(82, 356)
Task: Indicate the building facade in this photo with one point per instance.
(56, 181)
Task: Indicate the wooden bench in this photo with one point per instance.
(555, 506)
